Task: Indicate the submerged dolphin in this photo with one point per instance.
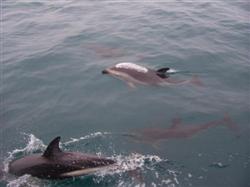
(136, 74)
(177, 130)
(105, 51)
(56, 164)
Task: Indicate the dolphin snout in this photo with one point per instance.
(105, 71)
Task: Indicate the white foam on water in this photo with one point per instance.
(25, 180)
(34, 144)
(134, 161)
(140, 164)
(92, 135)
(174, 173)
(153, 184)
(132, 66)
(129, 163)
(168, 181)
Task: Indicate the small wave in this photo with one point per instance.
(25, 180)
(131, 162)
(218, 165)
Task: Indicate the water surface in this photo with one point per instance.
(52, 56)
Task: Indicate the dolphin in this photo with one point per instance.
(178, 131)
(56, 164)
(134, 74)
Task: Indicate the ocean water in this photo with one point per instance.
(52, 55)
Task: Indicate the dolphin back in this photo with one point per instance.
(56, 164)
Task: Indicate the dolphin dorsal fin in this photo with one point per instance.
(53, 148)
(162, 72)
(176, 122)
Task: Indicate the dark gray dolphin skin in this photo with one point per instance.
(56, 164)
(136, 74)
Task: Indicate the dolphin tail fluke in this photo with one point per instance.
(196, 81)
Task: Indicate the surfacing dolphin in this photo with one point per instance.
(136, 74)
(56, 164)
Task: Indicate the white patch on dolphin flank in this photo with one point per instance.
(172, 70)
(84, 171)
(129, 65)
(25, 180)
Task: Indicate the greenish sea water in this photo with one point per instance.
(52, 56)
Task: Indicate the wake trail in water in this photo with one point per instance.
(90, 136)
